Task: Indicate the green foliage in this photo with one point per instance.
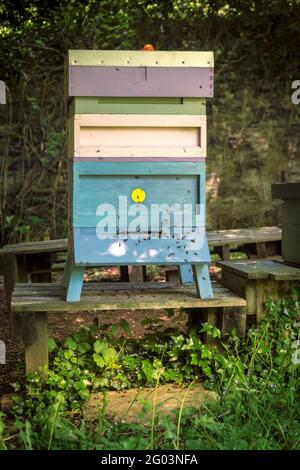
(257, 381)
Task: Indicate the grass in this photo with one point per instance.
(257, 382)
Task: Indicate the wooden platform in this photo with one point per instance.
(261, 269)
(118, 296)
(39, 259)
(31, 304)
(258, 280)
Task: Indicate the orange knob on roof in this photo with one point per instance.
(148, 47)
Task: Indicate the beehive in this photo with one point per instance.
(137, 149)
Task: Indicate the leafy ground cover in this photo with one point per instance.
(257, 382)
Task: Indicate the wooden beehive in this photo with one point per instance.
(290, 194)
(137, 130)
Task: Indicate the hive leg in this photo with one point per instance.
(75, 282)
(186, 274)
(202, 280)
(67, 271)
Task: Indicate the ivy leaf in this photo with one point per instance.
(71, 344)
(100, 346)
(147, 369)
(84, 347)
(109, 356)
(51, 345)
(99, 360)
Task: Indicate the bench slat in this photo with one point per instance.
(179, 297)
(260, 269)
(215, 238)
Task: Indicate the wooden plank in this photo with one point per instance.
(172, 274)
(186, 274)
(260, 269)
(91, 250)
(202, 281)
(290, 243)
(214, 319)
(134, 159)
(22, 328)
(40, 266)
(180, 199)
(127, 300)
(291, 212)
(136, 273)
(174, 135)
(241, 236)
(255, 250)
(124, 277)
(234, 282)
(10, 274)
(102, 286)
(132, 153)
(26, 292)
(136, 168)
(223, 251)
(233, 317)
(133, 105)
(139, 120)
(139, 81)
(2, 92)
(286, 190)
(36, 353)
(104, 58)
(36, 247)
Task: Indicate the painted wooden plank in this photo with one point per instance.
(139, 120)
(75, 281)
(90, 250)
(103, 137)
(202, 281)
(135, 168)
(140, 159)
(90, 191)
(104, 58)
(134, 153)
(286, 190)
(96, 135)
(186, 274)
(139, 81)
(180, 199)
(131, 105)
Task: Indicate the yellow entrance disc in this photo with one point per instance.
(138, 195)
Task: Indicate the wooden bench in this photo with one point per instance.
(263, 242)
(38, 259)
(31, 304)
(256, 280)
